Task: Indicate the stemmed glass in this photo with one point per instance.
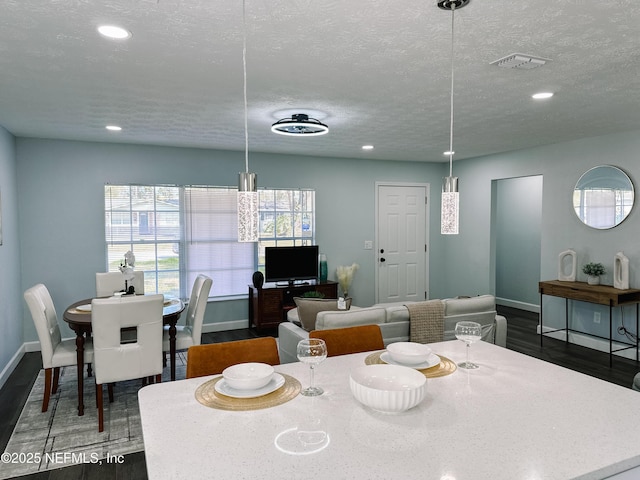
(312, 351)
(468, 332)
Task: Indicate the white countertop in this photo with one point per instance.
(515, 417)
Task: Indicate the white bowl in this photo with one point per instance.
(248, 376)
(388, 388)
(409, 353)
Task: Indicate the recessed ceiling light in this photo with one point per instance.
(542, 95)
(448, 153)
(113, 128)
(367, 147)
(111, 31)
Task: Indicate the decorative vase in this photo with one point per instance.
(323, 268)
(593, 279)
(258, 279)
(567, 266)
(621, 271)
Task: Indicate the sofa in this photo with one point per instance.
(393, 319)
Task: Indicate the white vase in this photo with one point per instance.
(621, 271)
(593, 279)
(567, 266)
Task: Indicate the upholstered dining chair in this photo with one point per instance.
(107, 283)
(190, 333)
(213, 358)
(342, 341)
(55, 352)
(115, 361)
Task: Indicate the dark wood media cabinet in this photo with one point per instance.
(268, 306)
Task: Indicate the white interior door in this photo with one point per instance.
(401, 242)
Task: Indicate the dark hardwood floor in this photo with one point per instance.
(521, 337)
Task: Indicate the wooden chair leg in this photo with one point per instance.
(47, 389)
(159, 378)
(89, 371)
(100, 408)
(110, 389)
(56, 378)
(164, 360)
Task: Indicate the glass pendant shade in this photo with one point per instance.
(248, 217)
(450, 206)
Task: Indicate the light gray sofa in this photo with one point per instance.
(393, 319)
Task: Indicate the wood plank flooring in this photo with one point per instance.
(521, 337)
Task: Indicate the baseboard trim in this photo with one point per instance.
(528, 307)
(589, 342)
(11, 366)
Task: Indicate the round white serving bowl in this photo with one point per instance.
(248, 376)
(388, 388)
(409, 353)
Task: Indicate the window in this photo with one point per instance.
(177, 233)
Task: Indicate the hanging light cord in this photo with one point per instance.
(453, 9)
(244, 77)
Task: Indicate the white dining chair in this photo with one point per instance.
(115, 361)
(190, 333)
(55, 352)
(107, 283)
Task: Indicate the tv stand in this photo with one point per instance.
(268, 306)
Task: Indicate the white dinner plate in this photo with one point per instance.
(276, 382)
(84, 308)
(432, 361)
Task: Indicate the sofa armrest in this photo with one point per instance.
(501, 331)
(289, 335)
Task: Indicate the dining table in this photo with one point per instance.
(78, 316)
(513, 418)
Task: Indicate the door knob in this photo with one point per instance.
(382, 250)
(382, 259)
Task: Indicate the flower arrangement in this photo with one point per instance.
(127, 271)
(593, 269)
(345, 277)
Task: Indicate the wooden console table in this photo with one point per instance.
(599, 294)
(268, 305)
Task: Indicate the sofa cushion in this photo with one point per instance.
(352, 318)
(308, 309)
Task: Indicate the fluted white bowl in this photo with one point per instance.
(248, 376)
(409, 353)
(388, 388)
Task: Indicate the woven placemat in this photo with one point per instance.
(445, 367)
(206, 394)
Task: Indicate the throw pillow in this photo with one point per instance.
(308, 308)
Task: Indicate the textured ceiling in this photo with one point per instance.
(376, 71)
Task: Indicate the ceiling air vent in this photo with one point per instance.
(520, 61)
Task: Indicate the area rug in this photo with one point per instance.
(59, 437)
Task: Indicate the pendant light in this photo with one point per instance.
(450, 197)
(247, 182)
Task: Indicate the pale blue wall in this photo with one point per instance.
(11, 302)
(516, 223)
(61, 200)
(468, 259)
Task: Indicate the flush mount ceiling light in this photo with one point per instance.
(300, 125)
(113, 128)
(112, 31)
(450, 197)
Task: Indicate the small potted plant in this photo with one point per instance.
(593, 272)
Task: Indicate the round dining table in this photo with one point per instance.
(80, 322)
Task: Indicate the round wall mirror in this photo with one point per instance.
(603, 197)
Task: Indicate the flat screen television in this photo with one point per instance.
(290, 264)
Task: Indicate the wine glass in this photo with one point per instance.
(468, 332)
(312, 351)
